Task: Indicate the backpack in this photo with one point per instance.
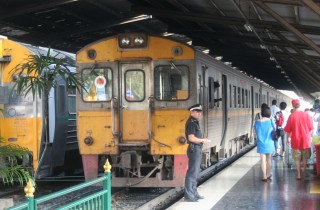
(279, 118)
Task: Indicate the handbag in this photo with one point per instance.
(273, 133)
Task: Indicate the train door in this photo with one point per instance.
(204, 100)
(134, 120)
(224, 97)
(252, 104)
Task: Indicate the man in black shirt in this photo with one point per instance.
(194, 152)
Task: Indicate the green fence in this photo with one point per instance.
(99, 200)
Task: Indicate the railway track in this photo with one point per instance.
(122, 198)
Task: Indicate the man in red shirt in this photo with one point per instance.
(299, 127)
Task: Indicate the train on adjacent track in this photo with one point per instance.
(133, 108)
(23, 124)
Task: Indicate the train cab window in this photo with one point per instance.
(134, 85)
(171, 83)
(97, 84)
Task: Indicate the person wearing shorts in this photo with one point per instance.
(299, 126)
(300, 154)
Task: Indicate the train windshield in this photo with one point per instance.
(97, 84)
(171, 82)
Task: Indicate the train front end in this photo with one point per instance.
(133, 108)
(20, 121)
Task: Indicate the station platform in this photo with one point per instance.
(239, 186)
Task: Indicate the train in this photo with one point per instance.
(22, 123)
(134, 104)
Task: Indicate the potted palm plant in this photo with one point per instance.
(38, 75)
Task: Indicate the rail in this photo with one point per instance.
(98, 201)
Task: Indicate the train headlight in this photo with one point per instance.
(182, 140)
(125, 41)
(132, 40)
(88, 140)
(138, 41)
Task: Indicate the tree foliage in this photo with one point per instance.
(11, 169)
(39, 73)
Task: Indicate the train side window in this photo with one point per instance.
(230, 95)
(72, 100)
(61, 100)
(213, 93)
(171, 83)
(97, 84)
(135, 85)
(264, 98)
(234, 96)
(256, 100)
(242, 98)
(250, 100)
(239, 98)
(246, 99)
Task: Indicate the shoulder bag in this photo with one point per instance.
(273, 133)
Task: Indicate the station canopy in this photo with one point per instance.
(276, 41)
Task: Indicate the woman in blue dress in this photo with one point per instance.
(263, 127)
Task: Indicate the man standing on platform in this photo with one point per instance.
(299, 127)
(274, 108)
(194, 153)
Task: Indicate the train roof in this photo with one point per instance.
(53, 52)
(276, 41)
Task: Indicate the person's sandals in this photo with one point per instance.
(264, 180)
(269, 177)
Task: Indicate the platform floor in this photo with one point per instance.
(239, 186)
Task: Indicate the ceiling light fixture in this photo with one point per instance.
(206, 51)
(137, 18)
(219, 58)
(263, 47)
(167, 34)
(248, 27)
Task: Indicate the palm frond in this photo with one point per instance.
(10, 170)
(38, 74)
(10, 174)
(13, 151)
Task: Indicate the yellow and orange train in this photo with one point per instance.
(22, 122)
(133, 108)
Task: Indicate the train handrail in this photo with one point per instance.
(151, 107)
(114, 106)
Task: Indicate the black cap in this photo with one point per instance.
(196, 107)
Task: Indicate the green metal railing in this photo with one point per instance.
(99, 200)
